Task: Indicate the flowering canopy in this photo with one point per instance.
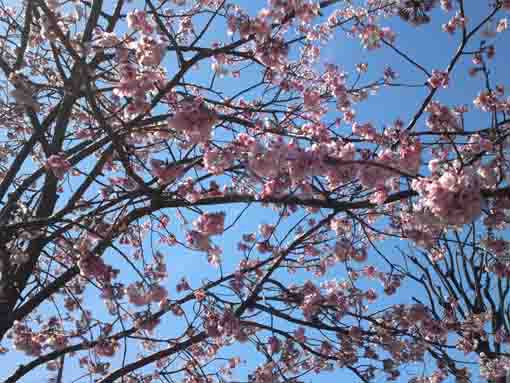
(196, 191)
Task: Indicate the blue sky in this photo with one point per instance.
(429, 46)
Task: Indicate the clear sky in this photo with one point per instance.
(427, 45)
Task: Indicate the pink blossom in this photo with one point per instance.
(379, 196)
(198, 240)
(150, 51)
(453, 198)
(273, 345)
(107, 40)
(24, 94)
(158, 293)
(455, 22)
(165, 173)
(148, 324)
(410, 157)
(442, 118)
(211, 223)
(446, 5)
(367, 131)
(194, 120)
(137, 296)
(138, 20)
(312, 100)
(502, 25)
(371, 36)
(216, 161)
(106, 348)
(266, 230)
(486, 101)
(58, 165)
(438, 79)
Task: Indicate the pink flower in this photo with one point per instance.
(266, 230)
(211, 223)
(147, 324)
(149, 51)
(488, 175)
(389, 74)
(367, 131)
(499, 247)
(434, 165)
(107, 40)
(379, 196)
(442, 118)
(502, 25)
(438, 79)
(448, 181)
(194, 120)
(371, 36)
(158, 293)
(312, 100)
(410, 157)
(446, 5)
(371, 295)
(455, 22)
(198, 240)
(183, 285)
(216, 161)
(165, 173)
(200, 295)
(138, 20)
(486, 101)
(359, 255)
(454, 198)
(25, 340)
(106, 348)
(93, 266)
(57, 342)
(370, 272)
(137, 296)
(265, 163)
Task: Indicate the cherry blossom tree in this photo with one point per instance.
(319, 235)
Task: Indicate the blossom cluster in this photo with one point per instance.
(207, 225)
(454, 197)
(194, 121)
